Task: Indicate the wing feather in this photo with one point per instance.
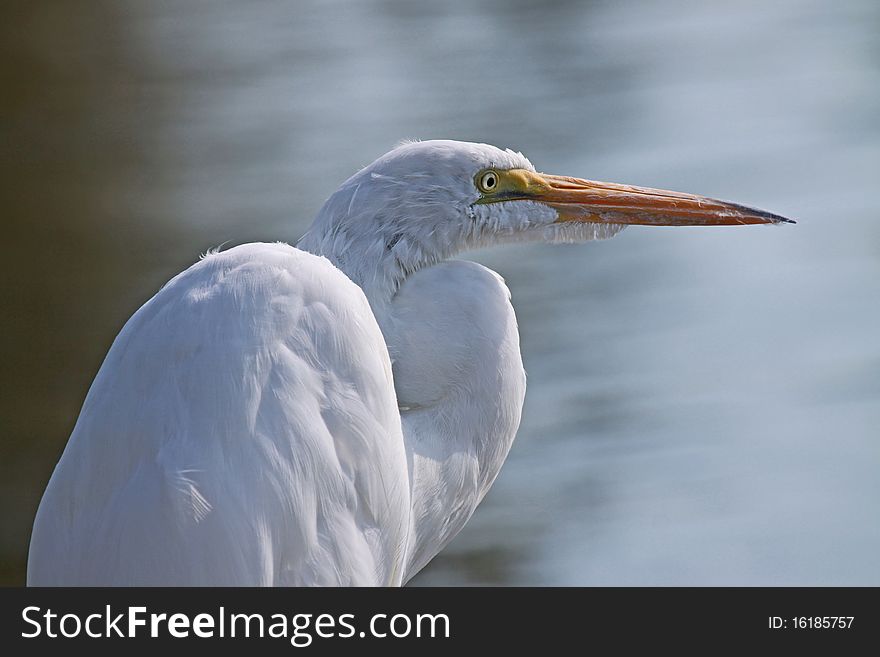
(242, 430)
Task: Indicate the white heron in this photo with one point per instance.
(330, 414)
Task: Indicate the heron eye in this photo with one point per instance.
(488, 181)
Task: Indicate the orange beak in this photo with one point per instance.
(600, 202)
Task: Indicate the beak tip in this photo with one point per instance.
(768, 217)
(777, 218)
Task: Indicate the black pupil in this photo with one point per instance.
(490, 181)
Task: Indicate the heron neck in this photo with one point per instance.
(458, 376)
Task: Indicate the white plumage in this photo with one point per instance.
(247, 426)
(224, 438)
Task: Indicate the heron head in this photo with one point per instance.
(426, 201)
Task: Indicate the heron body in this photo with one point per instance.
(330, 414)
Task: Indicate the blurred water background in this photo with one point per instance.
(704, 404)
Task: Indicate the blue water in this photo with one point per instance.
(703, 404)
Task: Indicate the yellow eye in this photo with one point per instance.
(487, 181)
